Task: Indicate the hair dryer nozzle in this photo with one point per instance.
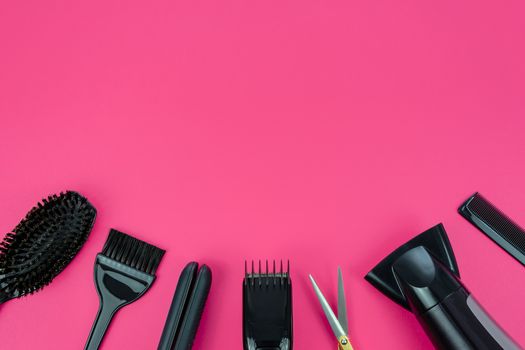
(423, 277)
(434, 241)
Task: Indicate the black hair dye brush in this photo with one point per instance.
(43, 243)
(124, 271)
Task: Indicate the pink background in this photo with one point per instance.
(326, 132)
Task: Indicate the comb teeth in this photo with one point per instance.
(500, 224)
(132, 252)
(266, 277)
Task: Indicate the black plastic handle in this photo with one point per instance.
(195, 309)
(460, 323)
(117, 285)
(176, 312)
(102, 321)
(186, 308)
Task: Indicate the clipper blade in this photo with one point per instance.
(267, 307)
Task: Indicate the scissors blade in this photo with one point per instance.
(332, 320)
(341, 302)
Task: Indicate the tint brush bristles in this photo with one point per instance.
(132, 252)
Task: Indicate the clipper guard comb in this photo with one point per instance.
(267, 308)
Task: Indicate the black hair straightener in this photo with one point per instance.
(422, 276)
(186, 308)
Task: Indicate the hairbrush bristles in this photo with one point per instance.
(132, 252)
(43, 243)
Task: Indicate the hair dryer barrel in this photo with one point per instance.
(423, 277)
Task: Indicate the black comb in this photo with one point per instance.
(43, 243)
(496, 225)
(267, 308)
(124, 271)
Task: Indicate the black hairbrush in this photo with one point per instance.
(43, 243)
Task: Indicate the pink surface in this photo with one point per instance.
(326, 132)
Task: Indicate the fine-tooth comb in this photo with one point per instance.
(496, 225)
(267, 307)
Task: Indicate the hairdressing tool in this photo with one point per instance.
(422, 276)
(496, 225)
(338, 324)
(123, 273)
(186, 308)
(43, 243)
(267, 308)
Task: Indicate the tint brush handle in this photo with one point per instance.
(117, 285)
(104, 316)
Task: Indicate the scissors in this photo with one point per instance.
(339, 324)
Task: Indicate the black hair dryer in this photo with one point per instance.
(423, 277)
